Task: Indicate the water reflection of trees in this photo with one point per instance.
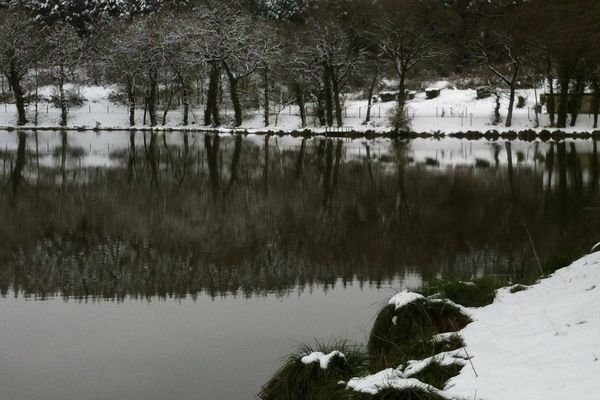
(233, 216)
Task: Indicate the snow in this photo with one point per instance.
(453, 111)
(388, 378)
(404, 298)
(540, 343)
(455, 357)
(321, 358)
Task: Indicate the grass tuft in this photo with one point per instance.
(477, 293)
(298, 381)
(405, 334)
(437, 375)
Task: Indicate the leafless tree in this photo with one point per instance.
(19, 52)
(64, 58)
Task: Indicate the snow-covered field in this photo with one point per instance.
(541, 343)
(452, 111)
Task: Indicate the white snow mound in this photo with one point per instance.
(404, 298)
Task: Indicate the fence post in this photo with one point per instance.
(358, 112)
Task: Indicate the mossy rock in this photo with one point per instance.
(403, 334)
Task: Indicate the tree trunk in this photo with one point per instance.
(371, 92)
(235, 99)
(151, 95)
(336, 99)
(301, 105)
(401, 89)
(211, 112)
(575, 103)
(64, 110)
(564, 76)
(266, 95)
(511, 105)
(327, 95)
(185, 98)
(14, 80)
(168, 106)
(320, 111)
(551, 101)
(131, 98)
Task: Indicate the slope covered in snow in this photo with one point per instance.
(541, 343)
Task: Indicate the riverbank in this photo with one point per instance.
(455, 113)
(525, 135)
(538, 341)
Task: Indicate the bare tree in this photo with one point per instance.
(121, 54)
(20, 52)
(406, 38)
(500, 54)
(339, 59)
(63, 58)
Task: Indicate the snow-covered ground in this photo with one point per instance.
(540, 343)
(453, 111)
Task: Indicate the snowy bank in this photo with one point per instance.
(453, 111)
(541, 343)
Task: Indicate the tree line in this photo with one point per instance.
(269, 54)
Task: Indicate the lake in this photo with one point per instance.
(179, 265)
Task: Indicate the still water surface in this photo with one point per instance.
(187, 267)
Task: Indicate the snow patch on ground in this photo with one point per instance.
(321, 358)
(446, 359)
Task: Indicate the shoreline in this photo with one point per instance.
(491, 134)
